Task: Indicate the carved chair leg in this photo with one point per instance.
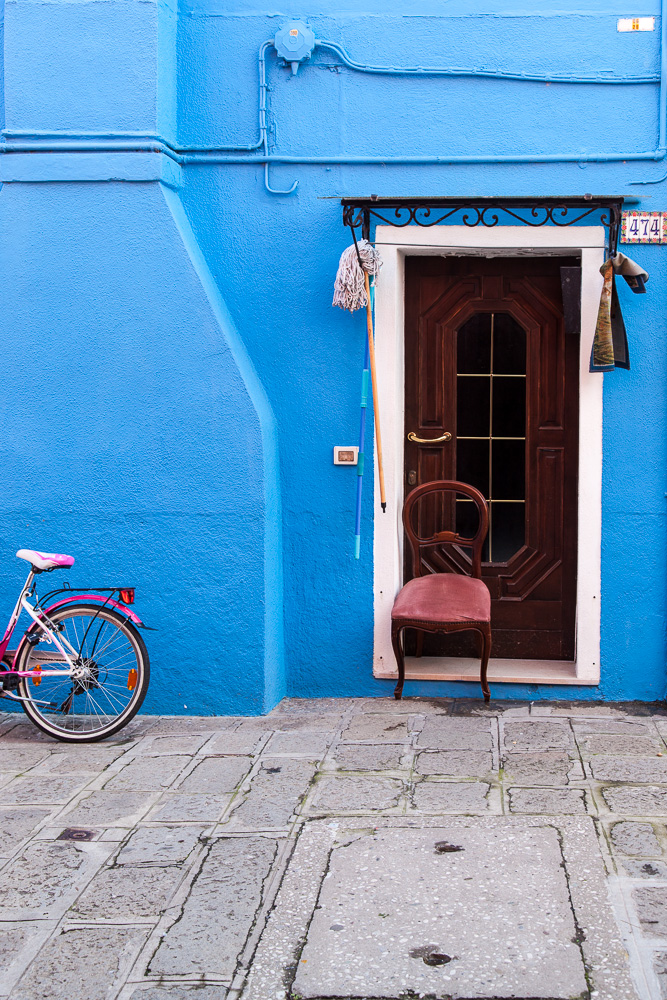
(485, 633)
(396, 631)
(419, 648)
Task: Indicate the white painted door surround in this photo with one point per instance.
(395, 244)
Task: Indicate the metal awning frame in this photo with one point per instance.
(606, 210)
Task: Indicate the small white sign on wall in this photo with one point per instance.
(636, 23)
(644, 227)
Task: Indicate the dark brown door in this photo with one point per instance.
(486, 359)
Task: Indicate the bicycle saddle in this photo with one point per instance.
(45, 560)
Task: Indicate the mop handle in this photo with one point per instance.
(361, 457)
(376, 406)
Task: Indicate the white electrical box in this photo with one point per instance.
(346, 455)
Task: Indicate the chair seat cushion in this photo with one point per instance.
(443, 597)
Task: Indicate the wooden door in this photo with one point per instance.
(486, 358)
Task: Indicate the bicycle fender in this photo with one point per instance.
(77, 599)
(116, 605)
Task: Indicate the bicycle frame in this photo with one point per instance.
(95, 665)
(42, 622)
(40, 617)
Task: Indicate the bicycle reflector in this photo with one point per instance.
(127, 595)
(132, 680)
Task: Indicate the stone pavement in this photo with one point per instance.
(357, 848)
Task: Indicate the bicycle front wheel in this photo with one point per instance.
(112, 675)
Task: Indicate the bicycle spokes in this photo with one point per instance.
(105, 685)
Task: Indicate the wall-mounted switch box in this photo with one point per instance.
(345, 455)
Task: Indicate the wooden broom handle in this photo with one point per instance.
(376, 407)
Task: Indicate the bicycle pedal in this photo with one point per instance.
(9, 680)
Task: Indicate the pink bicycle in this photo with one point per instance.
(81, 669)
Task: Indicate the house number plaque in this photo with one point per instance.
(644, 227)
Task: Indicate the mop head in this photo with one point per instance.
(350, 286)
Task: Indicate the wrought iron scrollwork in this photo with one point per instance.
(472, 212)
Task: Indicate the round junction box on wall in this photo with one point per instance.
(294, 43)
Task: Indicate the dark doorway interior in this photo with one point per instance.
(487, 359)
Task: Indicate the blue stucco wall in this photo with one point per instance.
(132, 433)
(175, 376)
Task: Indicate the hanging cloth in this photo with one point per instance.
(610, 344)
(634, 274)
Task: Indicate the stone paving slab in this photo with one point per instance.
(16, 823)
(176, 991)
(21, 758)
(634, 769)
(451, 797)
(216, 775)
(275, 793)
(618, 745)
(454, 763)
(127, 894)
(443, 732)
(237, 742)
(552, 801)
(148, 773)
(395, 914)
(159, 845)
(651, 903)
(35, 790)
(636, 800)
(636, 839)
(219, 911)
(542, 767)
(430, 912)
(380, 728)
(641, 869)
(173, 807)
(76, 760)
(294, 855)
(367, 793)
(46, 878)
(195, 725)
(613, 726)
(361, 757)
(175, 744)
(108, 808)
(534, 735)
(81, 964)
(20, 942)
(312, 745)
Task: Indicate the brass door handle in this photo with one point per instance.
(443, 437)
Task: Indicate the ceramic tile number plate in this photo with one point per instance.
(644, 227)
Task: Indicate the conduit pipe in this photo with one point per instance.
(125, 142)
(499, 74)
(268, 158)
(662, 141)
(140, 141)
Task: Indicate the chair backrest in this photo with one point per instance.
(475, 543)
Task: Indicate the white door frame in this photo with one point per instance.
(395, 244)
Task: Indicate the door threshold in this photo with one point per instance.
(452, 668)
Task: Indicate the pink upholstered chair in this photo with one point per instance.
(443, 602)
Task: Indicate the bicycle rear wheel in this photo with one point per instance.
(114, 673)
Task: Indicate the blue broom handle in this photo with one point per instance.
(361, 457)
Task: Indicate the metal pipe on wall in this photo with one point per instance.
(499, 74)
(662, 142)
(62, 142)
